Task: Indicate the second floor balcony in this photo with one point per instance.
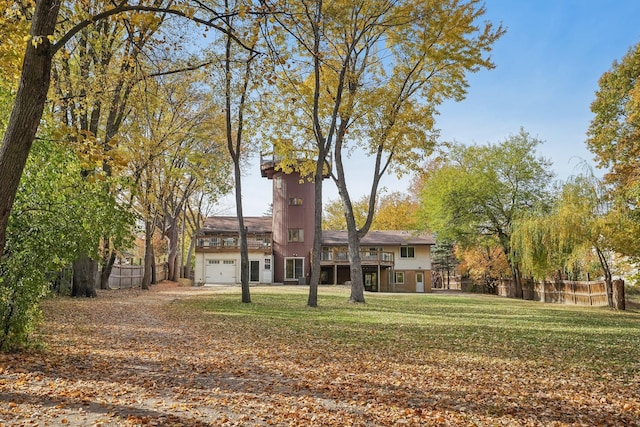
(224, 244)
(339, 255)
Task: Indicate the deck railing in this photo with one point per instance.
(339, 255)
(233, 243)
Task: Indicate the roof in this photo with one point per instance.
(380, 238)
(263, 224)
(221, 224)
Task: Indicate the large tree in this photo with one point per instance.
(369, 74)
(241, 72)
(300, 48)
(28, 106)
(47, 36)
(174, 154)
(95, 75)
(614, 132)
(480, 191)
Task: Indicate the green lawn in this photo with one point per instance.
(566, 337)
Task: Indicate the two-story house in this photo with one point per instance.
(392, 260)
(280, 246)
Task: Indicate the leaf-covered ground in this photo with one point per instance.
(198, 357)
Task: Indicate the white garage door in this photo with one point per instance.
(220, 271)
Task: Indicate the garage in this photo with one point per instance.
(220, 271)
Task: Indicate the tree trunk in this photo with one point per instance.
(357, 285)
(242, 231)
(244, 265)
(27, 109)
(188, 262)
(172, 235)
(323, 143)
(607, 277)
(108, 259)
(234, 146)
(154, 267)
(314, 279)
(84, 277)
(517, 281)
(194, 221)
(148, 255)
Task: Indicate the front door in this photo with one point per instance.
(419, 282)
(255, 271)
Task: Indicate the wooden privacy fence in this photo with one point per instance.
(565, 292)
(130, 276)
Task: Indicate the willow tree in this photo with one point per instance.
(369, 76)
(580, 224)
(479, 193)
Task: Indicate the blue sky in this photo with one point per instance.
(547, 69)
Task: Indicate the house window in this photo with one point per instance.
(293, 268)
(213, 261)
(407, 252)
(200, 242)
(267, 263)
(399, 277)
(296, 235)
(229, 261)
(295, 201)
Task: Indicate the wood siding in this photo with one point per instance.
(291, 216)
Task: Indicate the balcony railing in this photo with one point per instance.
(232, 243)
(340, 256)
